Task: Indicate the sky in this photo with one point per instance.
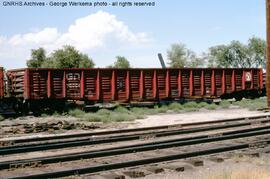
(138, 33)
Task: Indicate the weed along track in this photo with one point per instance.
(132, 148)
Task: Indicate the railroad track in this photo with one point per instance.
(148, 133)
(253, 134)
(132, 163)
(140, 147)
(122, 131)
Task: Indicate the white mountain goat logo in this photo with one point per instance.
(248, 76)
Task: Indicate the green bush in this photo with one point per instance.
(104, 112)
(44, 115)
(138, 110)
(212, 106)
(252, 104)
(243, 103)
(149, 111)
(139, 116)
(224, 104)
(92, 117)
(76, 113)
(190, 105)
(202, 104)
(2, 118)
(120, 117)
(122, 109)
(191, 109)
(57, 114)
(162, 109)
(175, 106)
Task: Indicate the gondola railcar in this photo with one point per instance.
(38, 88)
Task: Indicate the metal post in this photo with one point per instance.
(268, 51)
(161, 60)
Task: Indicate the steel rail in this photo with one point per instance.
(141, 147)
(87, 134)
(132, 163)
(92, 141)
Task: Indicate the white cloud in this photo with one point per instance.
(94, 30)
(43, 37)
(2, 39)
(89, 33)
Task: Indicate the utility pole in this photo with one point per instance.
(268, 51)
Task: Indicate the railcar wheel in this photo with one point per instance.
(25, 107)
(238, 97)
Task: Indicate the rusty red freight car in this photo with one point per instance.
(2, 91)
(2, 85)
(127, 85)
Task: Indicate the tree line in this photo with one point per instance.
(68, 57)
(235, 54)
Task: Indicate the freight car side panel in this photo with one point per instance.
(57, 86)
(207, 82)
(261, 78)
(2, 87)
(228, 81)
(197, 82)
(218, 82)
(248, 80)
(38, 84)
(16, 83)
(105, 85)
(72, 83)
(255, 79)
(174, 88)
(161, 83)
(91, 85)
(149, 78)
(185, 83)
(122, 85)
(238, 74)
(136, 85)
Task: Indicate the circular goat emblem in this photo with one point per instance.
(248, 76)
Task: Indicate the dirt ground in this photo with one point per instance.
(233, 168)
(202, 115)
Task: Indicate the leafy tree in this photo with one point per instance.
(196, 62)
(48, 63)
(217, 56)
(121, 62)
(69, 57)
(177, 55)
(38, 56)
(232, 55)
(257, 51)
(180, 57)
(238, 55)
